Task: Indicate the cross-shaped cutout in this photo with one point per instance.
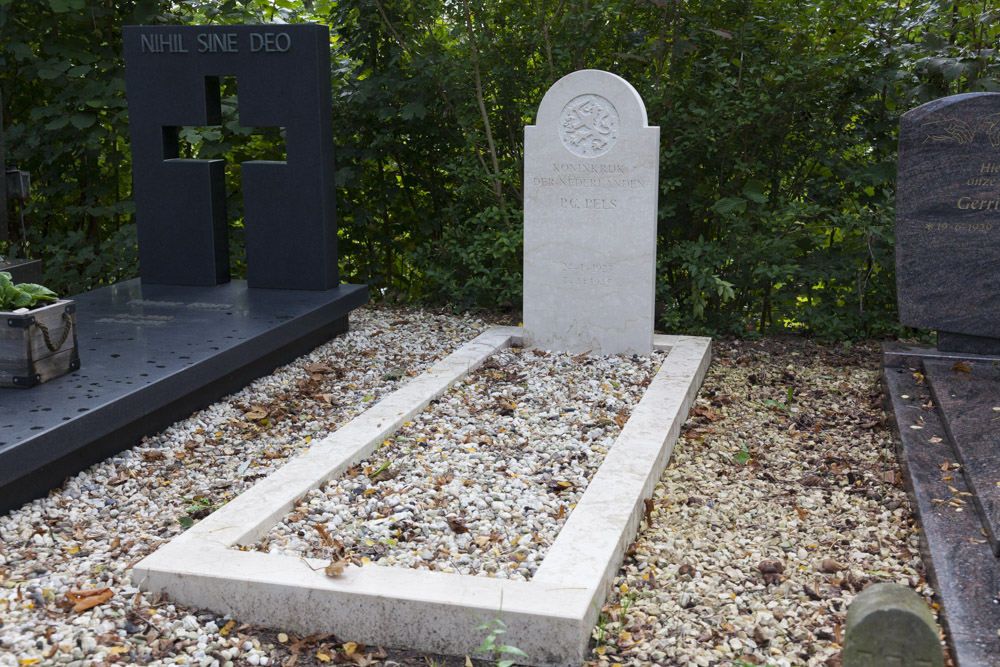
(222, 134)
(176, 96)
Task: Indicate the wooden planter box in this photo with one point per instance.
(38, 345)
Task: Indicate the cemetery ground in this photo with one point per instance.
(782, 501)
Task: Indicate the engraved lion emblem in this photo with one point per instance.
(589, 125)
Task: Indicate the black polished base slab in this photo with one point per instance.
(953, 342)
(962, 567)
(968, 397)
(150, 355)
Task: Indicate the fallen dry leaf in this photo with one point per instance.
(324, 534)
(962, 367)
(84, 600)
(830, 566)
(812, 480)
(771, 569)
(457, 525)
(255, 412)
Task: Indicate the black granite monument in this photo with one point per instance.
(944, 401)
(948, 221)
(283, 80)
(156, 349)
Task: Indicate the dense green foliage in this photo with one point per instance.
(778, 137)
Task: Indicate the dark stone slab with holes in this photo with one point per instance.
(282, 72)
(153, 354)
(948, 221)
(961, 564)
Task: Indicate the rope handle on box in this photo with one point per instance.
(67, 327)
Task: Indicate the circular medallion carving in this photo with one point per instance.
(588, 125)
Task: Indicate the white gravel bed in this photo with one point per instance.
(86, 536)
(482, 481)
(771, 517)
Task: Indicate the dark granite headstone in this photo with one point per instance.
(283, 80)
(943, 401)
(948, 221)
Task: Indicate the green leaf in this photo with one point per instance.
(38, 293)
(57, 123)
(413, 110)
(185, 521)
(730, 205)
(512, 650)
(754, 191)
(21, 300)
(83, 120)
(63, 6)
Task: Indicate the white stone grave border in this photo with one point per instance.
(550, 617)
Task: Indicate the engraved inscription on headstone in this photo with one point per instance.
(283, 80)
(948, 219)
(155, 302)
(591, 165)
(138, 320)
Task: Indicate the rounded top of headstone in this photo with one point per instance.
(962, 99)
(890, 624)
(592, 109)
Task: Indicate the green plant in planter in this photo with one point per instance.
(23, 295)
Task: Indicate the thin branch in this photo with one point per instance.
(497, 186)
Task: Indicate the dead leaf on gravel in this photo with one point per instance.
(154, 455)
(648, 511)
(324, 534)
(84, 600)
(457, 525)
(812, 480)
(811, 593)
(558, 486)
(771, 569)
(830, 566)
(962, 367)
(255, 412)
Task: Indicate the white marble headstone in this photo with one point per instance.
(591, 167)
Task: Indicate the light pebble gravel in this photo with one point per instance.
(811, 484)
(88, 534)
(753, 479)
(482, 481)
